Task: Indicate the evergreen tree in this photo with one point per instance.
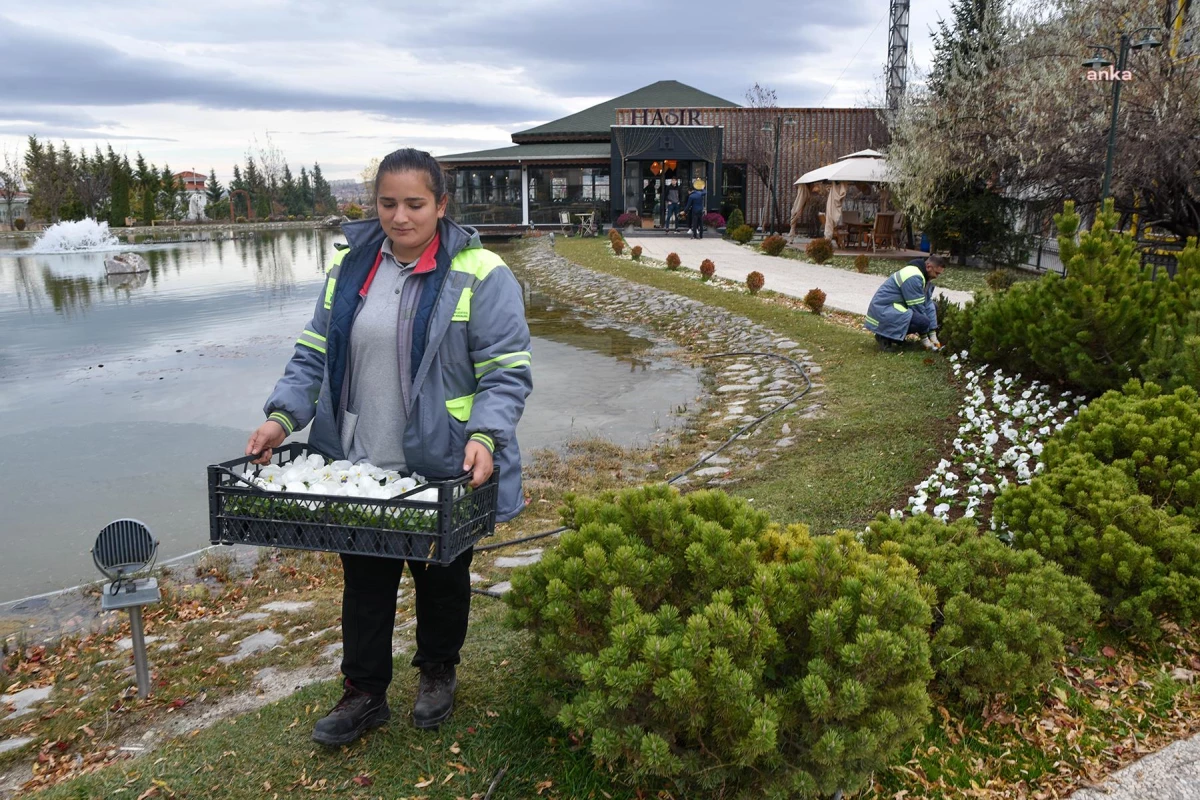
(238, 184)
(48, 175)
(168, 193)
(306, 192)
(147, 182)
(119, 176)
(290, 191)
(215, 190)
(967, 49)
(323, 199)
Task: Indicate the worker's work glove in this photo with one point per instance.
(933, 338)
(929, 343)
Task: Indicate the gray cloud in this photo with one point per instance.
(45, 68)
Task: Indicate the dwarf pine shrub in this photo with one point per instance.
(673, 261)
(707, 269)
(1152, 436)
(1107, 321)
(815, 300)
(862, 265)
(1143, 560)
(736, 220)
(695, 643)
(1002, 612)
(741, 234)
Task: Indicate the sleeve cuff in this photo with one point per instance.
(283, 419)
(485, 440)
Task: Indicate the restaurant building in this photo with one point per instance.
(625, 154)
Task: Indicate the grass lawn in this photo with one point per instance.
(966, 279)
(887, 416)
(498, 723)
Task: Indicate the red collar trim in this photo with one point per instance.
(426, 263)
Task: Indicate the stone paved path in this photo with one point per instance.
(844, 290)
(1172, 773)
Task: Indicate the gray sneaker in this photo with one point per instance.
(435, 695)
(354, 715)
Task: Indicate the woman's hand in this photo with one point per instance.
(477, 459)
(269, 436)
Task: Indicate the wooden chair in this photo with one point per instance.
(883, 234)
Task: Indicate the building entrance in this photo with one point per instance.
(651, 188)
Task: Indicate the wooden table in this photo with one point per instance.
(859, 230)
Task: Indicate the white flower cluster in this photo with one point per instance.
(312, 475)
(1005, 425)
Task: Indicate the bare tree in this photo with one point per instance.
(760, 148)
(10, 181)
(1026, 121)
(92, 181)
(368, 184)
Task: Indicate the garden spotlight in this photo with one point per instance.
(123, 550)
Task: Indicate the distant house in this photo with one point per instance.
(20, 208)
(190, 182)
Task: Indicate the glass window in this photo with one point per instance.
(486, 196)
(733, 188)
(573, 190)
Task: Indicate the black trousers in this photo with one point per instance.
(443, 599)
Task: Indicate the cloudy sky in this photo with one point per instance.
(196, 85)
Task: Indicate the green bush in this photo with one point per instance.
(862, 264)
(954, 323)
(673, 261)
(1002, 612)
(1090, 518)
(1107, 321)
(755, 281)
(695, 643)
(774, 245)
(354, 211)
(999, 280)
(819, 250)
(241, 219)
(736, 220)
(1153, 437)
(19, 223)
(741, 234)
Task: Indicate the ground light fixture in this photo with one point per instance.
(124, 553)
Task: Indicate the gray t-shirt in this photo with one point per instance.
(380, 367)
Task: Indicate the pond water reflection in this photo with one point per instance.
(115, 392)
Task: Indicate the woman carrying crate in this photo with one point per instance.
(417, 359)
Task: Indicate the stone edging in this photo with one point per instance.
(746, 386)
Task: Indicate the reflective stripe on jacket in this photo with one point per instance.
(470, 361)
(891, 309)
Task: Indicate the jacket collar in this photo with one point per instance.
(367, 233)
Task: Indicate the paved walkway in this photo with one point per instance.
(1172, 773)
(844, 290)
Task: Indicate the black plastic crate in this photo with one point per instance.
(418, 530)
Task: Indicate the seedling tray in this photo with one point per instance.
(401, 527)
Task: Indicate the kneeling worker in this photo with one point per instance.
(904, 305)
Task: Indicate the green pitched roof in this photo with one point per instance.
(597, 119)
(540, 151)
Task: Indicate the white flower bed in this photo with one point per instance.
(1005, 425)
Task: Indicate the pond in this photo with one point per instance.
(115, 395)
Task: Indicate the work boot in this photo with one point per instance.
(887, 345)
(435, 695)
(353, 715)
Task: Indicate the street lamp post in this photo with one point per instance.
(777, 127)
(1097, 62)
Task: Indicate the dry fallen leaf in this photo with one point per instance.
(454, 748)
(544, 785)
(362, 780)
(1109, 651)
(423, 784)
